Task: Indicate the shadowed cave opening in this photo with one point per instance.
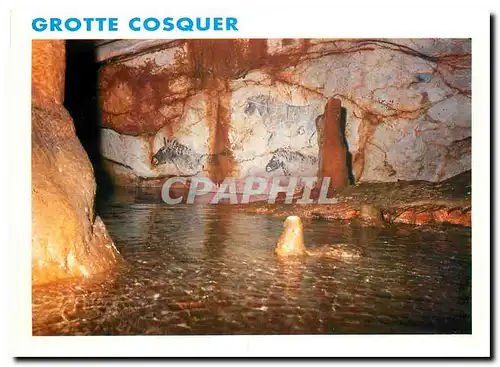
(81, 99)
(343, 125)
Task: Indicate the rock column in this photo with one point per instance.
(332, 150)
(68, 239)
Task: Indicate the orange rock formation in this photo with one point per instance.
(68, 239)
(291, 241)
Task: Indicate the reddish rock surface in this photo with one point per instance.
(138, 101)
(68, 239)
(141, 99)
(407, 103)
(47, 72)
(332, 150)
(147, 98)
(375, 204)
(213, 63)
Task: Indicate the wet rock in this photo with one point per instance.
(119, 174)
(420, 216)
(68, 239)
(339, 251)
(371, 215)
(454, 216)
(408, 202)
(291, 241)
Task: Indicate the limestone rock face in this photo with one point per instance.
(47, 72)
(68, 239)
(236, 108)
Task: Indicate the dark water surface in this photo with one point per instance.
(194, 269)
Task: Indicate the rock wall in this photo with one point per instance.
(68, 239)
(251, 107)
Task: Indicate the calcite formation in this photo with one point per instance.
(68, 239)
(291, 241)
(291, 244)
(332, 150)
(237, 108)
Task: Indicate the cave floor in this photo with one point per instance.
(410, 202)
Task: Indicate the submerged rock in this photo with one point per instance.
(338, 251)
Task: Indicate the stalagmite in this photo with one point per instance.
(68, 239)
(291, 241)
(332, 150)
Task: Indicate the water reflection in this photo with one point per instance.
(290, 276)
(218, 223)
(194, 269)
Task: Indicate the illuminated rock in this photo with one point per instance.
(409, 202)
(291, 243)
(68, 239)
(332, 152)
